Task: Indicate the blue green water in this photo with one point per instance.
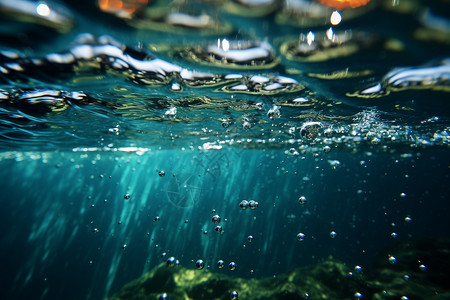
(87, 123)
(52, 246)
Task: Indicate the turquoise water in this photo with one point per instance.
(120, 139)
(68, 222)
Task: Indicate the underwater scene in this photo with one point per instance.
(225, 149)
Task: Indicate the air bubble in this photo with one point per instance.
(310, 130)
(199, 264)
(171, 261)
(274, 112)
(301, 236)
(233, 295)
(246, 125)
(216, 219)
(253, 204)
(392, 260)
(302, 200)
(244, 204)
(220, 263)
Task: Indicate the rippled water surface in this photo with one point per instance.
(125, 126)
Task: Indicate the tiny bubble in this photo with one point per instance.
(392, 260)
(233, 295)
(163, 296)
(302, 200)
(301, 236)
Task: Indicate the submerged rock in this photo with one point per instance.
(420, 272)
(327, 280)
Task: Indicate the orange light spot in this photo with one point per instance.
(115, 6)
(341, 4)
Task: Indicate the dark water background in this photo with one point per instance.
(67, 231)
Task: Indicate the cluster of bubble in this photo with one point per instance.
(216, 220)
(252, 204)
(302, 236)
(200, 264)
(171, 261)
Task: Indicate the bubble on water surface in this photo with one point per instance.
(274, 112)
(311, 130)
